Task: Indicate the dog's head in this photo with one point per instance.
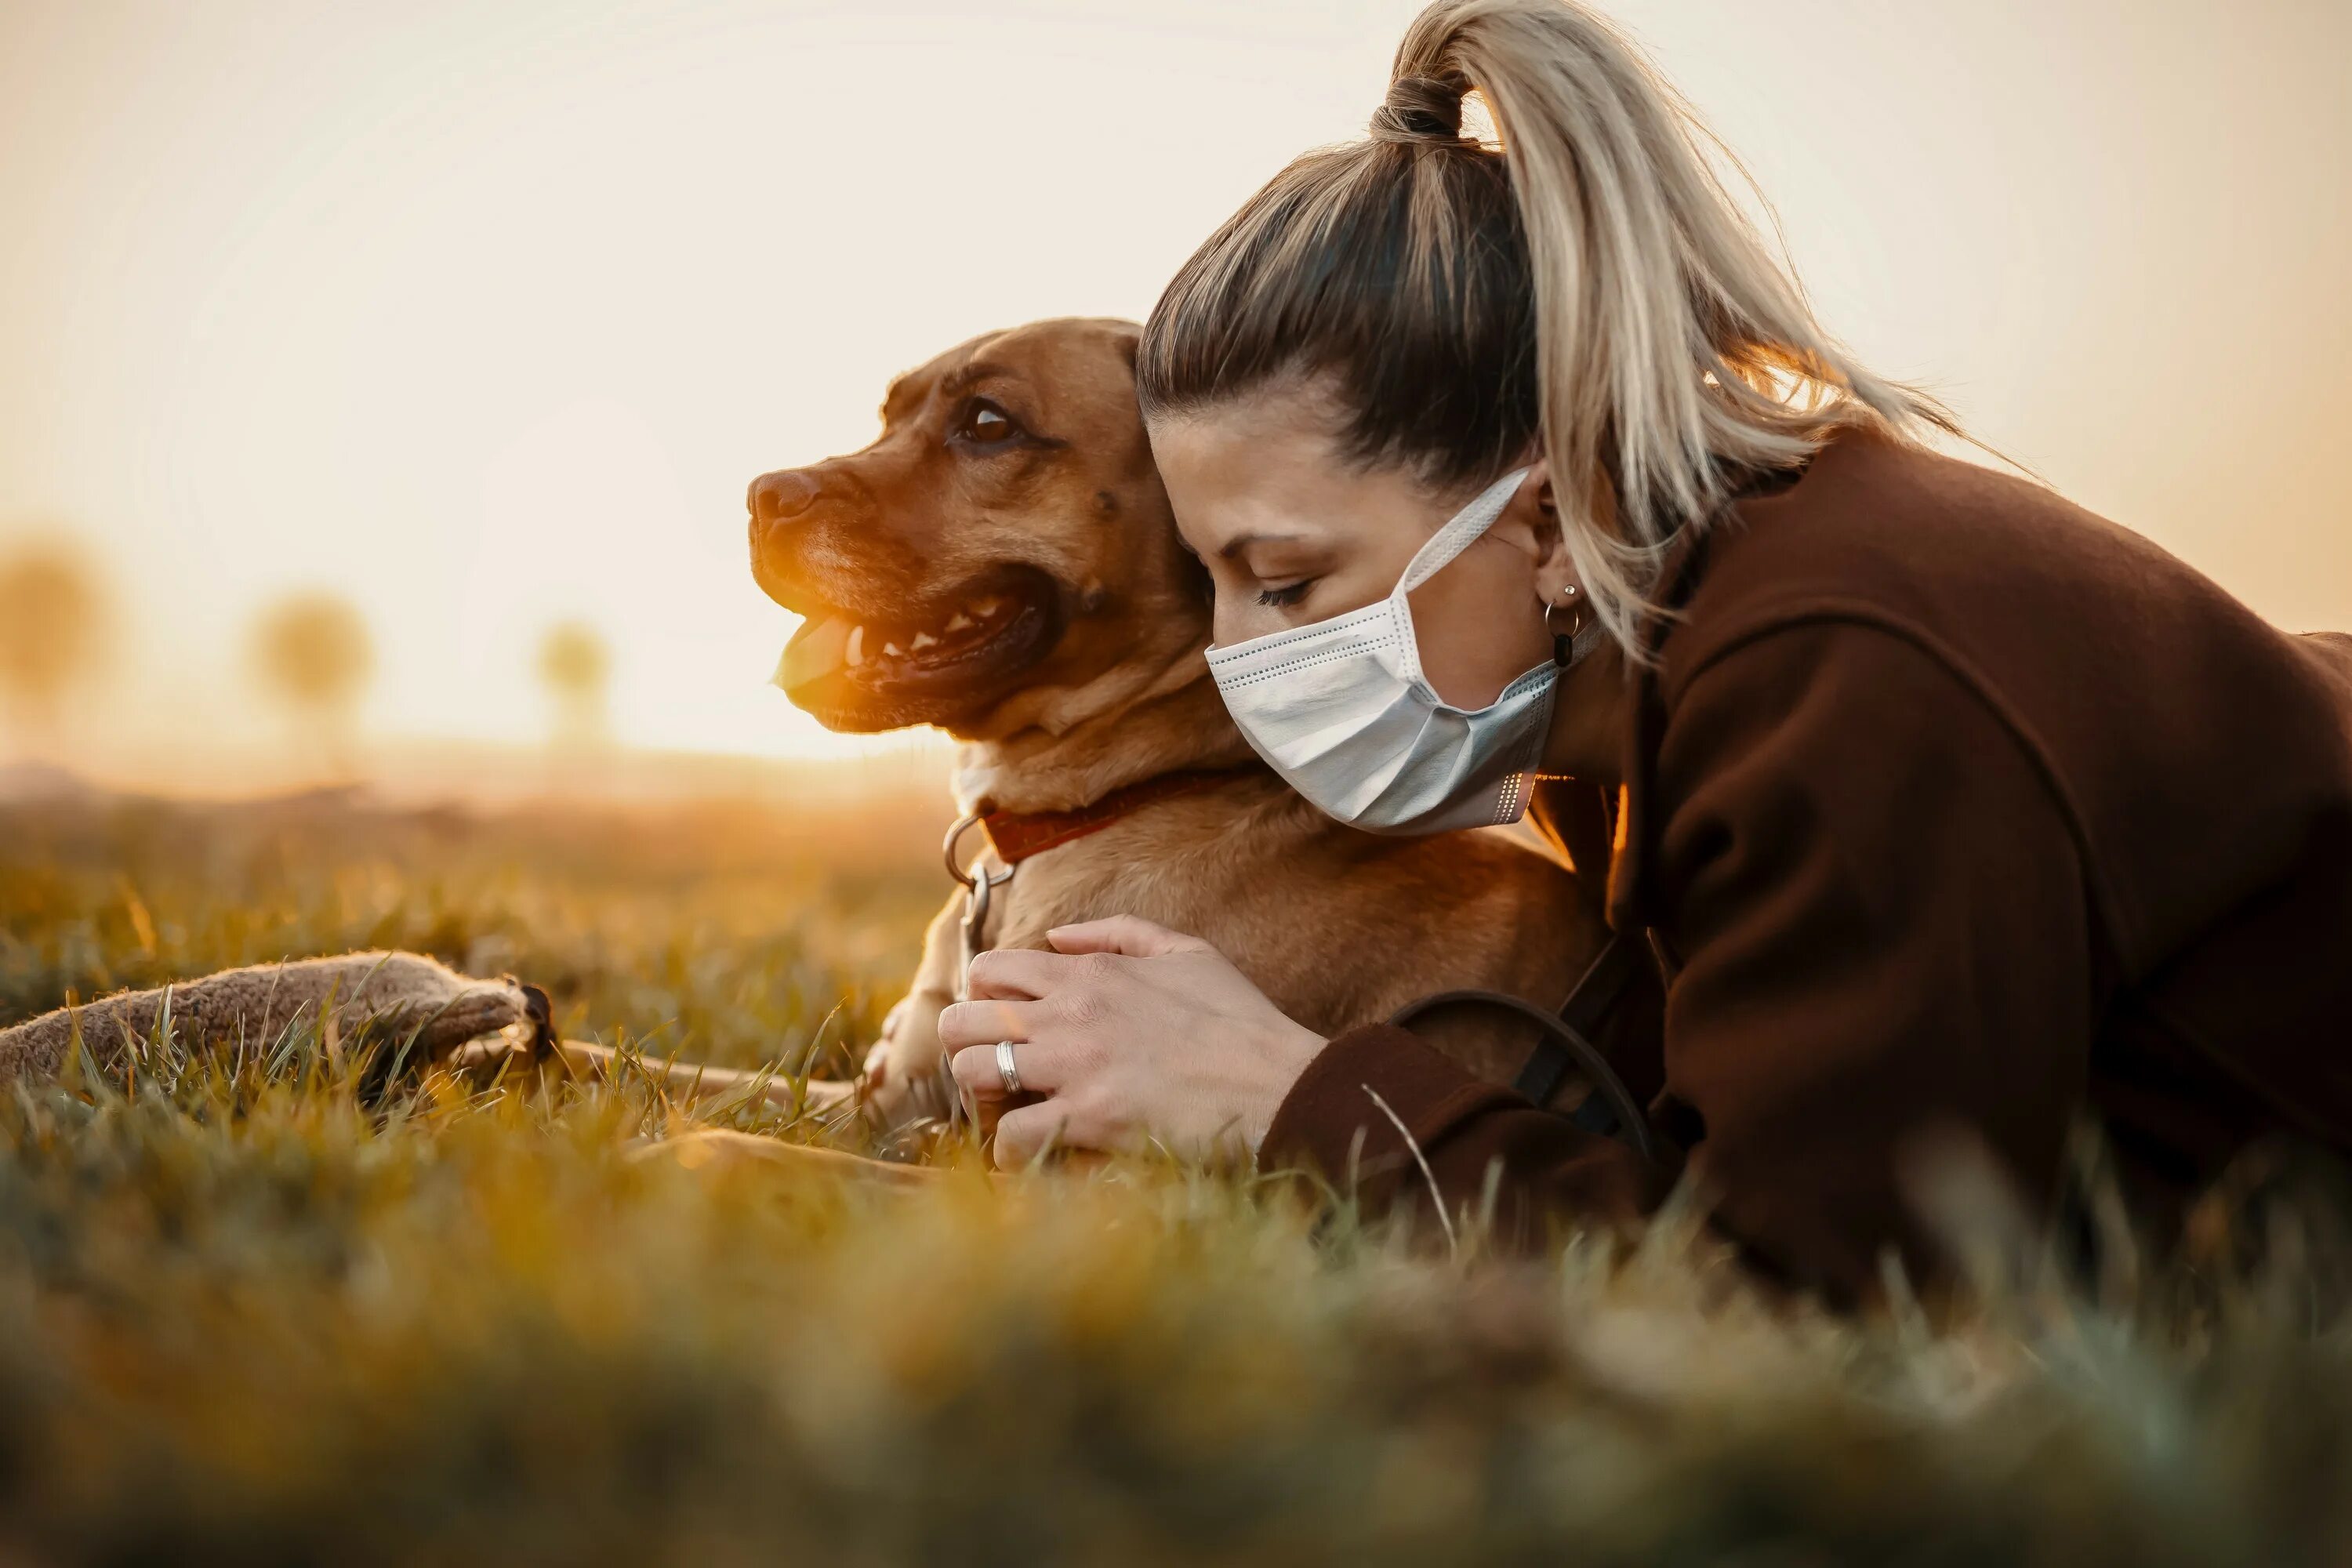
(1002, 547)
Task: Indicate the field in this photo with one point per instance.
(243, 1316)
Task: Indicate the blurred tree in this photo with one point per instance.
(311, 652)
(52, 625)
(576, 667)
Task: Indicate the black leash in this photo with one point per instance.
(1610, 1110)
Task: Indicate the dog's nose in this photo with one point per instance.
(783, 496)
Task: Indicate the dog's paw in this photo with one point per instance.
(418, 1000)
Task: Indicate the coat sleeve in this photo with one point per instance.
(1885, 936)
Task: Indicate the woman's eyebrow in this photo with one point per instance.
(1242, 542)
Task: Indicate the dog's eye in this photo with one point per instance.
(985, 425)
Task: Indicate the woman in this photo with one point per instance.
(1524, 476)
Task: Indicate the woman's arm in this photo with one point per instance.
(1885, 938)
(1382, 1116)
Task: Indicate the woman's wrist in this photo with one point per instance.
(1286, 1054)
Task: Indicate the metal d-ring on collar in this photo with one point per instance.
(979, 885)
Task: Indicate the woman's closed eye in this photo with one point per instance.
(1282, 597)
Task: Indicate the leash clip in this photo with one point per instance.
(979, 885)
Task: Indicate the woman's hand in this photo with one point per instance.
(1134, 1033)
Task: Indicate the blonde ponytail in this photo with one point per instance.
(1592, 287)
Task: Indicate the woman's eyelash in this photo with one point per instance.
(1275, 598)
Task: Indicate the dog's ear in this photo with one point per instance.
(1130, 342)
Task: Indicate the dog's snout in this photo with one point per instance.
(780, 497)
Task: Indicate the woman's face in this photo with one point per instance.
(1293, 532)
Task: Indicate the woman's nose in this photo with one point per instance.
(781, 496)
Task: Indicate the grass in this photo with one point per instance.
(243, 1316)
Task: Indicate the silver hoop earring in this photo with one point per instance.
(1567, 605)
(1563, 638)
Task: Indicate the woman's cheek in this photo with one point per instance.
(1478, 624)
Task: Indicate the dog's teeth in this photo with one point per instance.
(922, 640)
(986, 607)
(894, 650)
(855, 653)
(961, 622)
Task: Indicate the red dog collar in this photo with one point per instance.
(1017, 834)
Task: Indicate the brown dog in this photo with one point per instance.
(1002, 563)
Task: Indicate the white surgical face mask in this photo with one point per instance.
(1341, 709)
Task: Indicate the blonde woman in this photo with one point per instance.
(1929, 801)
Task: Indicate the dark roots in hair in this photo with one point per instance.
(1395, 272)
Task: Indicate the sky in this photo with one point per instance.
(484, 314)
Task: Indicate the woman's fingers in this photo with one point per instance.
(1015, 973)
(985, 1021)
(1041, 1068)
(975, 1072)
(1027, 972)
(1027, 1130)
(1128, 935)
(1128, 1030)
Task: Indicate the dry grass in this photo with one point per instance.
(241, 1316)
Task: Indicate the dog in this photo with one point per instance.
(1002, 563)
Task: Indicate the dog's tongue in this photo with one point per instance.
(817, 649)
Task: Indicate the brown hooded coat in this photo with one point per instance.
(1948, 804)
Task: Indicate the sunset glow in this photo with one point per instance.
(483, 316)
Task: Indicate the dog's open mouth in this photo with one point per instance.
(866, 672)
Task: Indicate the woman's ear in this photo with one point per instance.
(1530, 521)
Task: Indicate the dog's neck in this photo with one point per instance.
(1117, 731)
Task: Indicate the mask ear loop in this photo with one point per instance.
(1460, 532)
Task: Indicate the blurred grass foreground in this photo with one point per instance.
(243, 1316)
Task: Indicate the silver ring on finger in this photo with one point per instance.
(1005, 1068)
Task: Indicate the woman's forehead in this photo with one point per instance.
(1234, 482)
(1225, 474)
